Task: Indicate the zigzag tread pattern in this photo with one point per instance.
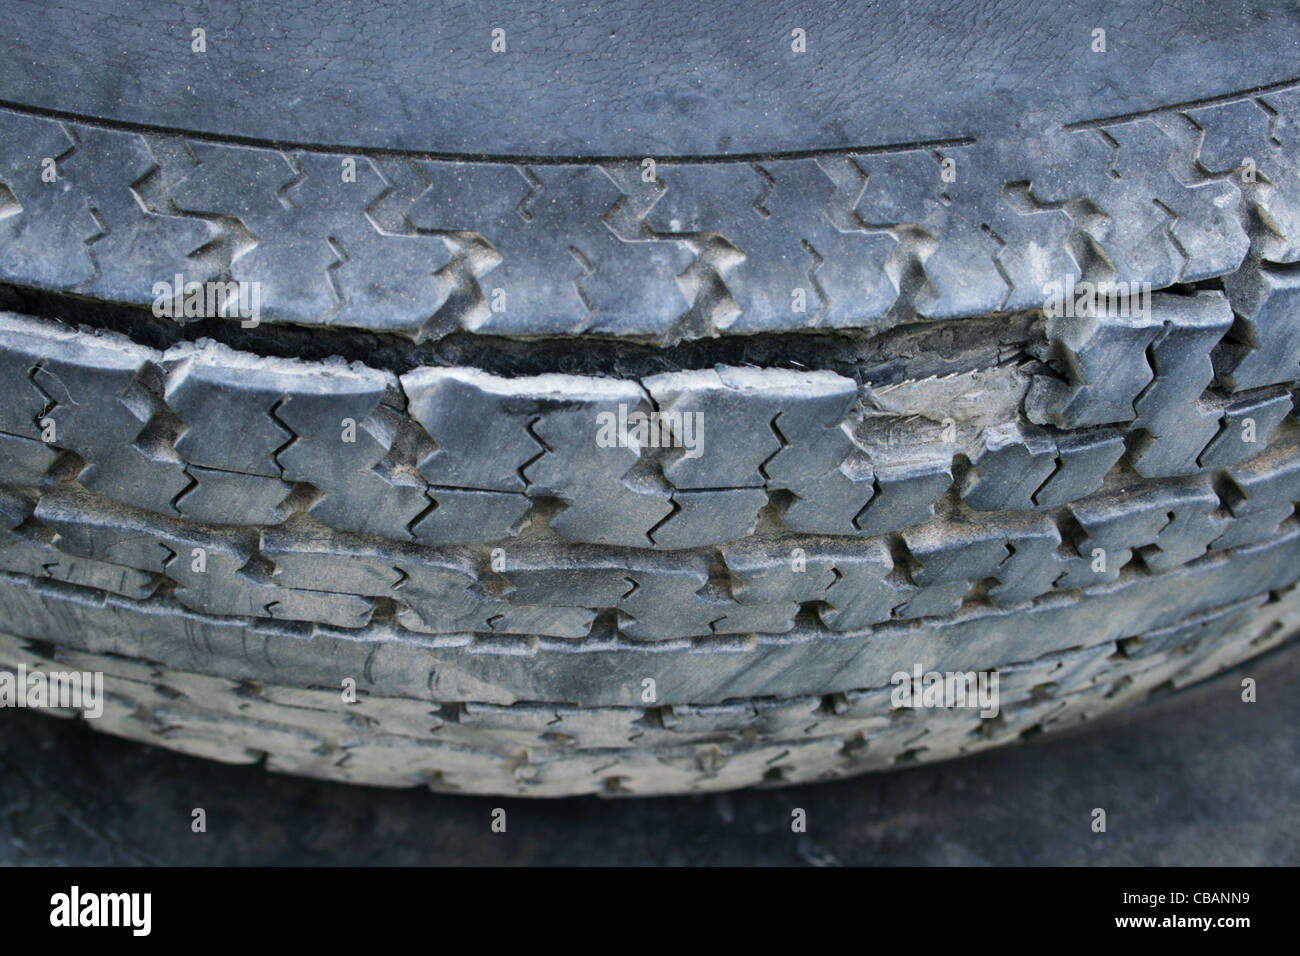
(665, 462)
(307, 575)
(539, 749)
(1100, 506)
(847, 240)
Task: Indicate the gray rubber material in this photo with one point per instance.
(614, 78)
(161, 530)
(562, 749)
(423, 248)
(391, 485)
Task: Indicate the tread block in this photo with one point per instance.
(227, 497)
(1172, 426)
(479, 424)
(618, 513)
(867, 590)
(542, 239)
(906, 493)
(339, 427)
(24, 461)
(678, 582)
(771, 571)
(1084, 460)
(374, 503)
(546, 620)
(829, 503)
(774, 618)
(45, 233)
(316, 254)
(87, 385)
(1012, 464)
(225, 400)
(595, 461)
(139, 241)
(147, 475)
(812, 427)
(1071, 668)
(1168, 525)
(789, 244)
(954, 552)
(459, 516)
(1034, 562)
(707, 517)
(1260, 494)
(483, 425)
(86, 528)
(536, 576)
(1147, 224)
(1263, 130)
(98, 395)
(1104, 360)
(1023, 467)
(436, 586)
(1264, 347)
(1247, 422)
(731, 411)
(241, 413)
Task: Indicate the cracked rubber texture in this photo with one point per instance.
(873, 447)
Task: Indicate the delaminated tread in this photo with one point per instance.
(446, 456)
(1096, 506)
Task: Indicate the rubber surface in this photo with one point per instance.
(618, 78)
(391, 484)
(854, 239)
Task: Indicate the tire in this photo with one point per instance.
(386, 527)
